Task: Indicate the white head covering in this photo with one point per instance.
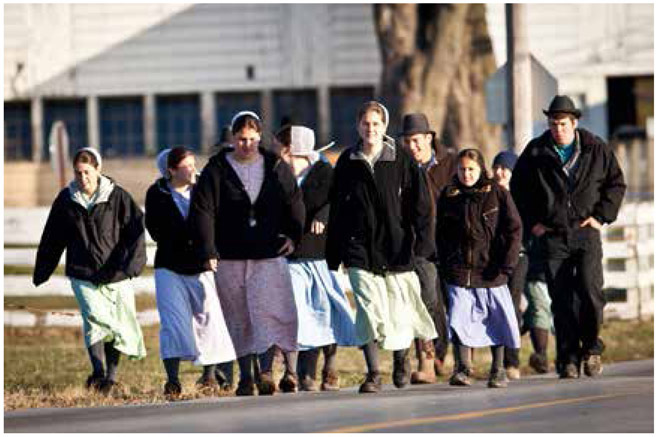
(302, 141)
(94, 152)
(241, 114)
(161, 162)
(385, 120)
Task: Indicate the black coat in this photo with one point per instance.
(315, 188)
(478, 234)
(171, 231)
(381, 218)
(104, 245)
(544, 194)
(221, 211)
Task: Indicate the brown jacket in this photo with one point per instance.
(478, 234)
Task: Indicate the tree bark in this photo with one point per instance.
(436, 59)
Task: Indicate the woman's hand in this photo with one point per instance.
(317, 227)
(287, 247)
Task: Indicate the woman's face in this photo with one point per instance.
(246, 144)
(184, 173)
(371, 128)
(86, 175)
(468, 171)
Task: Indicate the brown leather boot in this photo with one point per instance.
(425, 373)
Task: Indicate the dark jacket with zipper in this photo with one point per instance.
(226, 225)
(315, 188)
(478, 234)
(171, 231)
(544, 193)
(103, 245)
(380, 217)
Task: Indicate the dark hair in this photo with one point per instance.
(475, 155)
(177, 155)
(284, 135)
(85, 157)
(371, 106)
(247, 121)
(558, 115)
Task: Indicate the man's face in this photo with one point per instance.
(420, 147)
(563, 128)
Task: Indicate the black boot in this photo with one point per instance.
(401, 368)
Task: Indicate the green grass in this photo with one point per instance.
(47, 367)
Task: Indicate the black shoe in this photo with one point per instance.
(460, 378)
(569, 371)
(245, 388)
(94, 382)
(288, 383)
(206, 383)
(106, 387)
(372, 384)
(266, 386)
(538, 362)
(172, 389)
(592, 365)
(223, 380)
(401, 369)
(497, 378)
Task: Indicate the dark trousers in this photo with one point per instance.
(516, 284)
(574, 275)
(431, 290)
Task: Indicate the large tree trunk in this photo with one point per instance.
(436, 59)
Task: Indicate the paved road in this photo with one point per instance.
(619, 401)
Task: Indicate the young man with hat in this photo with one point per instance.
(567, 184)
(418, 139)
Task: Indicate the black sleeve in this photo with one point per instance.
(612, 189)
(52, 244)
(322, 213)
(418, 206)
(296, 212)
(128, 257)
(511, 228)
(334, 242)
(204, 206)
(524, 187)
(152, 215)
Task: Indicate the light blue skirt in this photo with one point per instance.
(323, 310)
(483, 316)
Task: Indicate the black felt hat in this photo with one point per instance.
(415, 124)
(562, 104)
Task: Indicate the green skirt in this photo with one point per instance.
(389, 309)
(108, 314)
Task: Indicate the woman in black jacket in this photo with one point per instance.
(326, 318)
(247, 214)
(102, 230)
(478, 232)
(192, 325)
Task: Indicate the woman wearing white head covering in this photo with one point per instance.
(380, 219)
(102, 230)
(192, 325)
(326, 318)
(248, 214)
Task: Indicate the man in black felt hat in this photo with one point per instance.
(439, 167)
(566, 185)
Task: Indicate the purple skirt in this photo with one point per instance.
(483, 316)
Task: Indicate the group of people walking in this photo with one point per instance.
(435, 251)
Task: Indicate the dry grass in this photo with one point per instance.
(47, 367)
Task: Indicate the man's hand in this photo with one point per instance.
(317, 227)
(211, 264)
(287, 247)
(592, 222)
(538, 230)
